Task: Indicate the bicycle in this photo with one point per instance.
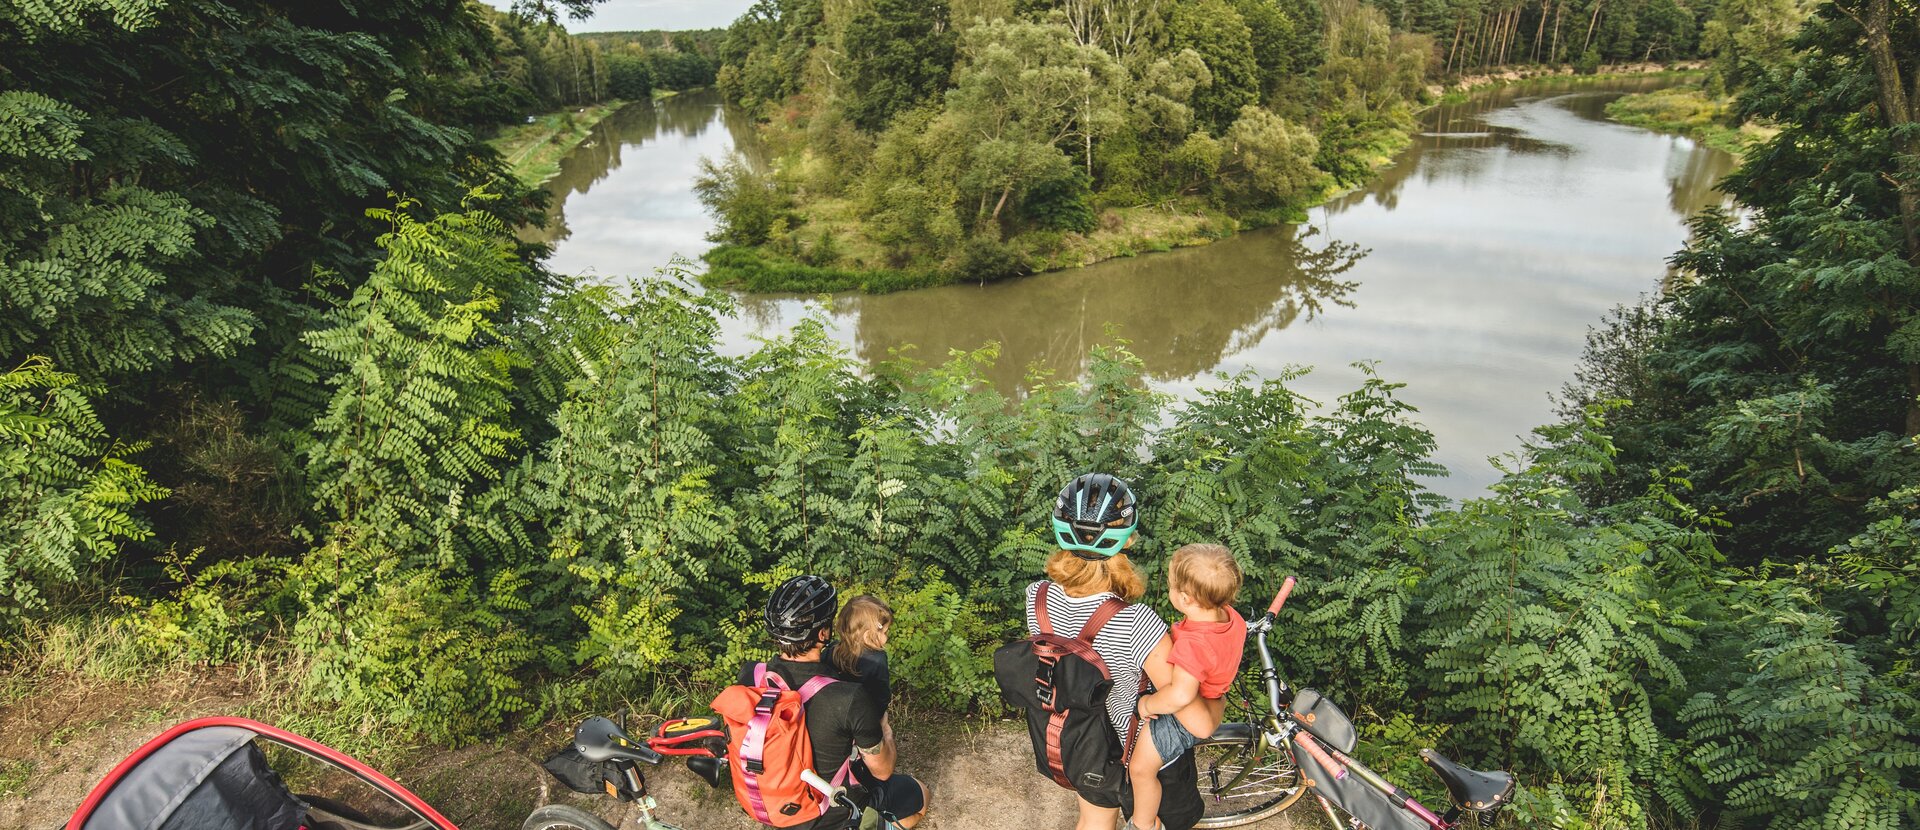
(1245, 777)
(619, 759)
(704, 745)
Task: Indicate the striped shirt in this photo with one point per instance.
(1123, 643)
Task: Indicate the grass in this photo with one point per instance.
(534, 150)
(1131, 231)
(1546, 77)
(14, 776)
(752, 269)
(1689, 111)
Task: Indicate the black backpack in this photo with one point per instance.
(1062, 685)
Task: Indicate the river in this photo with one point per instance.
(1470, 270)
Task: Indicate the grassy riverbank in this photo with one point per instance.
(1691, 112)
(534, 149)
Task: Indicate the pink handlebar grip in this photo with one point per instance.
(1280, 599)
(1306, 742)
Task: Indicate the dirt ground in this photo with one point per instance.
(59, 739)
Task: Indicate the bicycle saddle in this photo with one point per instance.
(600, 740)
(1468, 788)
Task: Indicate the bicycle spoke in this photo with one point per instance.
(1229, 787)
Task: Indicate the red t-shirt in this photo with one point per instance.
(1210, 651)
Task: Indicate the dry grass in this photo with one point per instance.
(1689, 111)
(534, 150)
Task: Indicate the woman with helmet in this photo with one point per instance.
(1093, 525)
(841, 719)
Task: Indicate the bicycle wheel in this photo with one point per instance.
(1242, 780)
(563, 817)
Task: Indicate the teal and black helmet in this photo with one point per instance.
(1095, 514)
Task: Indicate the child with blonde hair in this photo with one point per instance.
(1202, 581)
(859, 648)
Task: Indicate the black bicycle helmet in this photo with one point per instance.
(1095, 514)
(800, 609)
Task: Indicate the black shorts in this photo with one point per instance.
(896, 798)
(1180, 803)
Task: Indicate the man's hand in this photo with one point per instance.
(1144, 712)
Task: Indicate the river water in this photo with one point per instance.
(1470, 270)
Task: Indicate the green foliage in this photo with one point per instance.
(1554, 627)
(744, 199)
(1805, 717)
(418, 418)
(1063, 203)
(216, 615)
(749, 269)
(68, 488)
(628, 481)
(898, 55)
(628, 77)
(1214, 30)
(986, 260)
(410, 647)
(1271, 161)
(1791, 337)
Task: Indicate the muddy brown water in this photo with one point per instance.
(1470, 270)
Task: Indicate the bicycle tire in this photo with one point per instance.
(1269, 788)
(563, 817)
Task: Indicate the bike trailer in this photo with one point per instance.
(211, 774)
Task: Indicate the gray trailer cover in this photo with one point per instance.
(207, 779)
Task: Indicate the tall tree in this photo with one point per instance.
(1217, 33)
(1022, 89)
(898, 55)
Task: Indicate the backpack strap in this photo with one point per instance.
(813, 686)
(1040, 607)
(753, 746)
(1133, 735)
(1101, 616)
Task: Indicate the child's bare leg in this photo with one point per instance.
(1144, 769)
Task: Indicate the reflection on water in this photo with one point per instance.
(623, 202)
(1470, 269)
(1226, 299)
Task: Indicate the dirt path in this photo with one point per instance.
(58, 741)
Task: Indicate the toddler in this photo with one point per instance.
(1202, 581)
(859, 648)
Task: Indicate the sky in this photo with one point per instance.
(630, 15)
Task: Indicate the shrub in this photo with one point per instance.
(66, 487)
(986, 260)
(1588, 63)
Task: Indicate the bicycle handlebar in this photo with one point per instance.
(1280, 599)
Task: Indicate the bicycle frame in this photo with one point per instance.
(1283, 728)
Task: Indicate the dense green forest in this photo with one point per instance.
(913, 143)
(282, 390)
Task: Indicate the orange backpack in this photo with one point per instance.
(767, 740)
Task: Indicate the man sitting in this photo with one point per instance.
(842, 717)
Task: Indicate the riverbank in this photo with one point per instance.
(1689, 111)
(61, 732)
(533, 150)
(823, 247)
(1464, 86)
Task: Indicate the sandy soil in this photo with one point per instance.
(59, 740)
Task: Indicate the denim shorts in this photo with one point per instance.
(1170, 738)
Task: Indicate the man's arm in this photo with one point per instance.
(872, 737)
